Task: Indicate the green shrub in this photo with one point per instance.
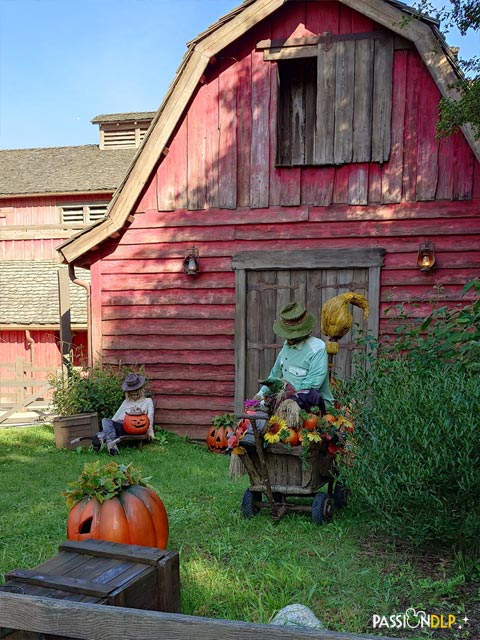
(415, 472)
(87, 390)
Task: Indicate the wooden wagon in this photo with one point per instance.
(291, 478)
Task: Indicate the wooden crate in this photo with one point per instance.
(66, 429)
(100, 572)
(290, 471)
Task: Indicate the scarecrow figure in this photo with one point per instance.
(135, 403)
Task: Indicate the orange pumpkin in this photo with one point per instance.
(310, 422)
(292, 438)
(217, 438)
(135, 516)
(136, 425)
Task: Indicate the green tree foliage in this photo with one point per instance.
(465, 109)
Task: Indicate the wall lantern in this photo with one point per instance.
(190, 262)
(426, 256)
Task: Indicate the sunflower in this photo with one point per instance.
(274, 427)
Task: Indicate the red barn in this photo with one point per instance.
(295, 152)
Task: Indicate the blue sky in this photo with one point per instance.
(62, 62)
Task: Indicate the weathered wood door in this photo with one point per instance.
(268, 281)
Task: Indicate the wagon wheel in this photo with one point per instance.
(321, 508)
(340, 495)
(249, 508)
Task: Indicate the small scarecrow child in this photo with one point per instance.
(136, 404)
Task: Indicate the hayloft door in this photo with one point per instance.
(265, 282)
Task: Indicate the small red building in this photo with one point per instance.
(295, 152)
(46, 196)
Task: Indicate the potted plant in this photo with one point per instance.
(81, 397)
(113, 502)
(223, 425)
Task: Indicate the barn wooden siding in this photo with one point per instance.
(218, 189)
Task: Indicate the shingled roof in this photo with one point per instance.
(80, 169)
(30, 293)
(133, 116)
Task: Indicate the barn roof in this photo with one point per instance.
(30, 293)
(422, 32)
(80, 169)
(132, 116)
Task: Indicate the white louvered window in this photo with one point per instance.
(82, 214)
(121, 136)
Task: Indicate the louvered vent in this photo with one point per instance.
(121, 136)
(73, 215)
(83, 214)
(97, 212)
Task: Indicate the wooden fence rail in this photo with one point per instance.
(99, 622)
(21, 379)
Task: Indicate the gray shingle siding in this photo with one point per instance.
(30, 293)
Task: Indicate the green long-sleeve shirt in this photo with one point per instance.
(305, 365)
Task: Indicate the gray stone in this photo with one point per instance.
(297, 615)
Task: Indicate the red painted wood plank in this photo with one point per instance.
(462, 169)
(476, 179)
(192, 388)
(402, 277)
(130, 357)
(218, 217)
(198, 417)
(446, 160)
(322, 17)
(374, 183)
(259, 158)
(185, 235)
(172, 173)
(149, 197)
(170, 297)
(164, 266)
(424, 293)
(212, 143)
(179, 371)
(393, 170)
(427, 149)
(190, 311)
(340, 188)
(168, 343)
(358, 183)
(244, 128)
(148, 282)
(359, 229)
(446, 259)
(197, 135)
(228, 138)
(136, 325)
(317, 185)
(414, 66)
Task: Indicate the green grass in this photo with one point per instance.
(230, 567)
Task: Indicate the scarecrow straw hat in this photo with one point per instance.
(294, 322)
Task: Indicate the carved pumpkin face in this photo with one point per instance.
(136, 424)
(217, 438)
(136, 516)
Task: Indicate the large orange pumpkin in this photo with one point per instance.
(135, 516)
(136, 425)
